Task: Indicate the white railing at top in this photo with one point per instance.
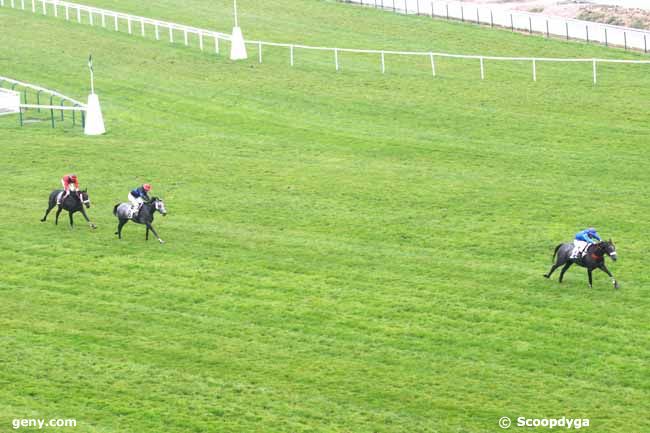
(105, 15)
(61, 96)
(72, 11)
(537, 23)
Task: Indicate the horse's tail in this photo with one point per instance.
(555, 252)
(115, 209)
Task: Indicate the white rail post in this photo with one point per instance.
(78, 14)
(142, 27)
(44, 9)
(201, 40)
(185, 37)
(383, 63)
(22, 4)
(534, 70)
(216, 44)
(67, 13)
(34, 6)
(128, 25)
(336, 58)
(482, 69)
(595, 76)
(90, 17)
(117, 27)
(156, 31)
(259, 51)
(291, 51)
(56, 10)
(171, 34)
(103, 19)
(433, 64)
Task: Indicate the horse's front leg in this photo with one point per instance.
(150, 227)
(603, 268)
(58, 212)
(83, 212)
(70, 213)
(589, 271)
(146, 236)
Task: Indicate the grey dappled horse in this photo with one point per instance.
(74, 202)
(593, 258)
(144, 216)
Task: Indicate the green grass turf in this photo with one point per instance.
(345, 252)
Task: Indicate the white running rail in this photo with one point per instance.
(106, 17)
(521, 21)
(61, 96)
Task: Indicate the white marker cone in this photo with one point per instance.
(94, 118)
(237, 45)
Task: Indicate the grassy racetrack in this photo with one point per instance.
(346, 252)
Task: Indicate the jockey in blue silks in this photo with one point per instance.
(583, 239)
(138, 196)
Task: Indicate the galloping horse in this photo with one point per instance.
(144, 216)
(593, 258)
(74, 202)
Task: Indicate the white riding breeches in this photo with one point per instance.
(135, 201)
(578, 248)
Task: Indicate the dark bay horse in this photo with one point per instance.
(144, 216)
(74, 202)
(594, 258)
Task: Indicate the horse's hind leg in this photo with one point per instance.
(119, 228)
(567, 265)
(553, 268)
(589, 270)
(47, 211)
(58, 212)
(71, 220)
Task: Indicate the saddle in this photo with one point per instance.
(579, 253)
(59, 196)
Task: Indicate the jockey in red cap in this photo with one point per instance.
(137, 197)
(70, 182)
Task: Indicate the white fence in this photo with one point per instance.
(15, 106)
(117, 20)
(107, 18)
(519, 21)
